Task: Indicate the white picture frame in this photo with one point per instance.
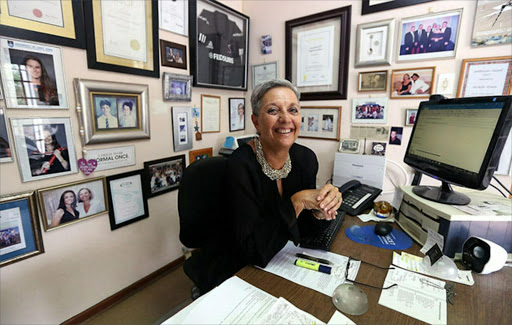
(173, 16)
(374, 45)
(370, 110)
(182, 128)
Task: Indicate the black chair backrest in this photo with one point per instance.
(202, 202)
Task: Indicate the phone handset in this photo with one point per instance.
(349, 185)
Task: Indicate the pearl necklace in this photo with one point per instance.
(273, 174)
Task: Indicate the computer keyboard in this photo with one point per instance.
(324, 240)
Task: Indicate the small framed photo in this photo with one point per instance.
(379, 148)
(173, 55)
(266, 44)
(373, 81)
(20, 233)
(112, 111)
(263, 72)
(182, 128)
(199, 154)
(33, 75)
(349, 146)
(127, 199)
(477, 72)
(163, 175)
(44, 147)
(412, 83)
(410, 116)
(370, 110)
(5, 142)
(66, 204)
(320, 122)
(236, 114)
(177, 87)
(395, 136)
(375, 43)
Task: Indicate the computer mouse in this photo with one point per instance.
(383, 228)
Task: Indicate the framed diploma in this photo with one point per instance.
(264, 72)
(485, 77)
(210, 113)
(374, 45)
(182, 128)
(58, 22)
(320, 122)
(219, 41)
(126, 199)
(174, 16)
(122, 36)
(317, 54)
(371, 6)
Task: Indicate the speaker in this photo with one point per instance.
(482, 255)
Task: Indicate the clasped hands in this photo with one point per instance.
(324, 202)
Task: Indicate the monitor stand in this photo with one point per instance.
(442, 194)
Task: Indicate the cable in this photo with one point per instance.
(497, 189)
(506, 189)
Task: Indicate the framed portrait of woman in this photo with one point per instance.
(236, 114)
(44, 147)
(67, 204)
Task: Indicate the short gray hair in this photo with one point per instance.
(264, 87)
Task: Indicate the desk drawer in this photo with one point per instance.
(424, 220)
(412, 229)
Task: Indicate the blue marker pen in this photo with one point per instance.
(313, 266)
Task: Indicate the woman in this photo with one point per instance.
(66, 211)
(405, 85)
(126, 118)
(239, 122)
(40, 81)
(436, 38)
(86, 205)
(54, 159)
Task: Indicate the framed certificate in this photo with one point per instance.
(477, 72)
(263, 72)
(174, 16)
(127, 47)
(219, 41)
(58, 22)
(374, 45)
(317, 51)
(210, 113)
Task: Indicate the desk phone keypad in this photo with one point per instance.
(324, 240)
(357, 200)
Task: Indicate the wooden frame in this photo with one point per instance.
(163, 175)
(469, 79)
(320, 122)
(177, 87)
(182, 128)
(173, 55)
(369, 8)
(333, 30)
(127, 113)
(374, 44)
(224, 68)
(372, 81)
(370, 110)
(19, 215)
(131, 50)
(42, 25)
(210, 113)
(349, 146)
(52, 199)
(235, 122)
(198, 154)
(426, 74)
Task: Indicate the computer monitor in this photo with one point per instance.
(458, 141)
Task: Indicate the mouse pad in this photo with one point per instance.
(396, 239)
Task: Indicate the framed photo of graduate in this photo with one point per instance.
(219, 42)
(320, 122)
(163, 175)
(5, 142)
(126, 198)
(20, 233)
(58, 22)
(236, 114)
(317, 54)
(124, 40)
(173, 55)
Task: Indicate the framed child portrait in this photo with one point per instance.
(236, 114)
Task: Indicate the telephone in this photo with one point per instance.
(357, 197)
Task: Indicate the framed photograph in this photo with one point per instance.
(374, 45)
(349, 146)
(378, 148)
(373, 81)
(266, 44)
(412, 83)
(177, 87)
(127, 47)
(372, 6)
(38, 21)
(20, 233)
(174, 16)
(236, 114)
(66, 204)
(32, 75)
(320, 122)
(44, 147)
(264, 72)
(317, 54)
(5, 141)
(198, 154)
(410, 116)
(370, 110)
(492, 23)
(395, 136)
(126, 198)
(111, 111)
(431, 36)
(213, 65)
(210, 113)
(173, 55)
(182, 128)
(163, 175)
(477, 72)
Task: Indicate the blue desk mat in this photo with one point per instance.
(396, 239)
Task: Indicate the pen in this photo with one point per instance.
(313, 266)
(313, 258)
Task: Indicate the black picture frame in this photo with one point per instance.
(151, 188)
(171, 61)
(394, 4)
(92, 59)
(136, 176)
(40, 36)
(339, 91)
(205, 61)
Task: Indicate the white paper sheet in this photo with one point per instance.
(433, 238)
(283, 312)
(340, 319)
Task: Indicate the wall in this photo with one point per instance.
(86, 262)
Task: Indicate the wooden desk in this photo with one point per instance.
(486, 302)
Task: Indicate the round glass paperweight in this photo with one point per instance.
(444, 268)
(350, 299)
